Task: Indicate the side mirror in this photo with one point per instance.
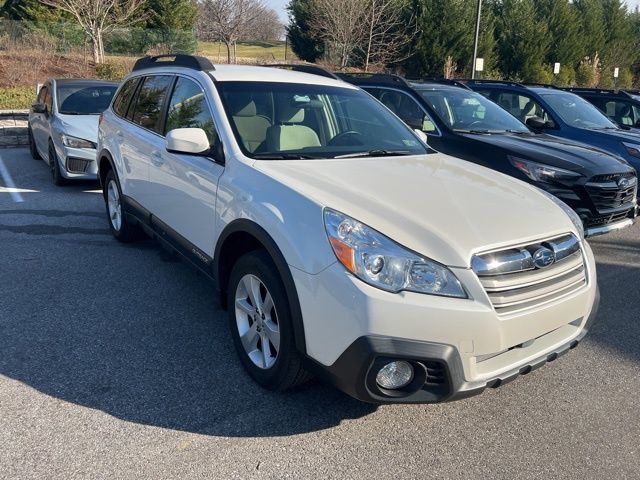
(39, 108)
(422, 136)
(637, 124)
(536, 123)
(192, 141)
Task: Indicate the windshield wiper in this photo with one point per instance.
(518, 132)
(283, 156)
(375, 153)
(461, 130)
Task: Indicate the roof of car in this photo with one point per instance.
(240, 73)
(83, 81)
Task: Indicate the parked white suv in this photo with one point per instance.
(341, 244)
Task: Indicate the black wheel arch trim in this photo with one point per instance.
(104, 153)
(260, 234)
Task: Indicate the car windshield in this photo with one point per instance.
(467, 111)
(84, 99)
(577, 112)
(290, 121)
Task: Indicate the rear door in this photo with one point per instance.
(185, 186)
(142, 141)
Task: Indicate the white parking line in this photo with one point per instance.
(10, 186)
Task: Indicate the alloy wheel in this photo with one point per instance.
(114, 205)
(257, 321)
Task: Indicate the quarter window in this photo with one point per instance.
(148, 105)
(123, 98)
(188, 109)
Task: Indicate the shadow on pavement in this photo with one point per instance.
(155, 349)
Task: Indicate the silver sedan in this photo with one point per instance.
(63, 126)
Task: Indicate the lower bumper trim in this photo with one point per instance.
(595, 231)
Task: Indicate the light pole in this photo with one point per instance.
(475, 43)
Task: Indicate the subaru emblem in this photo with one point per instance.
(543, 257)
(624, 182)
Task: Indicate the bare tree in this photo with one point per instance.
(389, 31)
(96, 17)
(266, 27)
(342, 24)
(228, 20)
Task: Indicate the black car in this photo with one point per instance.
(563, 114)
(599, 186)
(621, 106)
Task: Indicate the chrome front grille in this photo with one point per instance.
(77, 165)
(517, 279)
(608, 192)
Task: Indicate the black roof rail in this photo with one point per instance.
(305, 68)
(379, 78)
(489, 82)
(174, 60)
(540, 85)
(620, 92)
(442, 81)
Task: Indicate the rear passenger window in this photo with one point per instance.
(149, 101)
(188, 109)
(123, 98)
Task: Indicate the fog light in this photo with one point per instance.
(395, 375)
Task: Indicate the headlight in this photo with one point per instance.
(577, 221)
(379, 261)
(75, 142)
(539, 172)
(633, 149)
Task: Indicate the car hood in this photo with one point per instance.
(557, 152)
(81, 126)
(618, 134)
(442, 207)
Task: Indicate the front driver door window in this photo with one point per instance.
(405, 107)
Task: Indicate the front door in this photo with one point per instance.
(185, 186)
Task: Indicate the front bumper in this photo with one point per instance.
(467, 341)
(440, 374)
(77, 163)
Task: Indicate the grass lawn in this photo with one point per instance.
(266, 51)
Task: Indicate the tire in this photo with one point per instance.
(32, 145)
(122, 229)
(274, 364)
(54, 166)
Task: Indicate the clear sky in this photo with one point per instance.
(279, 6)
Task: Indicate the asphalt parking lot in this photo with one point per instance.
(116, 362)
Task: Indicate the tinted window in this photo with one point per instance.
(576, 111)
(83, 99)
(463, 110)
(42, 93)
(48, 101)
(404, 107)
(149, 101)
(123, 98)
(313, 121)
(188, 109)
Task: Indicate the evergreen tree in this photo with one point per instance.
(173, 23)
(523, 40)
(446, 30)
(618, 50)
(303, 44)
(566, 44)
(592, 28)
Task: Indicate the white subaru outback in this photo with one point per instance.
(341, 244)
